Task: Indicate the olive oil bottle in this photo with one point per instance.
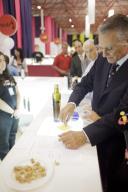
(56, 102)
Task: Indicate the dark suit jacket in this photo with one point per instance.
(103, 133)
(76, 69)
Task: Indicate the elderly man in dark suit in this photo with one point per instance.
(108, 79)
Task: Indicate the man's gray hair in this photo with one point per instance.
(118, 23)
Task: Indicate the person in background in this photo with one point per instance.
(62, 62)
(13, 70)
(79, 60)
(108, 79)
(72, 52)
(37, 55)
(91, 54)
(9, 108)
(18, 61)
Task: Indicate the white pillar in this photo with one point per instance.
(42, 20)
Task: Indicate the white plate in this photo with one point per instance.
(12, 183)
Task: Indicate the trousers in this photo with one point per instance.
(8, 130)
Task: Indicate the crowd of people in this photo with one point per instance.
(78, 62)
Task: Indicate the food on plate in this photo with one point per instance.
(28, 173)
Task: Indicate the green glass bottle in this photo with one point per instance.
(56, 102)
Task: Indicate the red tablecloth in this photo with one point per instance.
(42, 70)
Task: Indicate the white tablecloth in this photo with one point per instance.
(72, 170)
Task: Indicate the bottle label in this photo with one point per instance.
(56, 110)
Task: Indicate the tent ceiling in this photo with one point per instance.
(62, 10)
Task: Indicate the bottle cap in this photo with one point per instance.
(75, 116)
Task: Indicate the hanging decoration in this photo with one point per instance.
(8, 25)
(82, 37)
(91, 36)
(74, 37)
(6, 44)
(44, 37)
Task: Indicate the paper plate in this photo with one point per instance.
(9, 178)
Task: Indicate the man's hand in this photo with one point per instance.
(73, 139)
(66, 112)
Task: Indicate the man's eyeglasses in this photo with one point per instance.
(107, 49)
(112, 48)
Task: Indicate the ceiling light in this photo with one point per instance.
(91, 11)
(110, 12)
(72, 26)
(38, 7)
(87, 26)
(70, 20)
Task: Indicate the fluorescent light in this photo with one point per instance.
(110, 12)
(70, 20)
(91, 11)
(38, 7)
(87, 26)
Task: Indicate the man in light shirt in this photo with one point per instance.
(91, 54)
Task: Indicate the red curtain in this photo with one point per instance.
(18, 18)
(33, 32)
(1, 8)
(48, 31)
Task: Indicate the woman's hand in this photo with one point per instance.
(16, 113)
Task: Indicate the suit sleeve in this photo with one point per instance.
(107, 126)
(72, 70)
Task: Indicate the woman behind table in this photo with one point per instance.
(18, 61)
(9, 107)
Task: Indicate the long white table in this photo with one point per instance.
(67, 170)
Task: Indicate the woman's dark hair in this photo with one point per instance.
(6, 75)
(20, 52)
(6, 59)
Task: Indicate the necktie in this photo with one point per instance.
(112, 73)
